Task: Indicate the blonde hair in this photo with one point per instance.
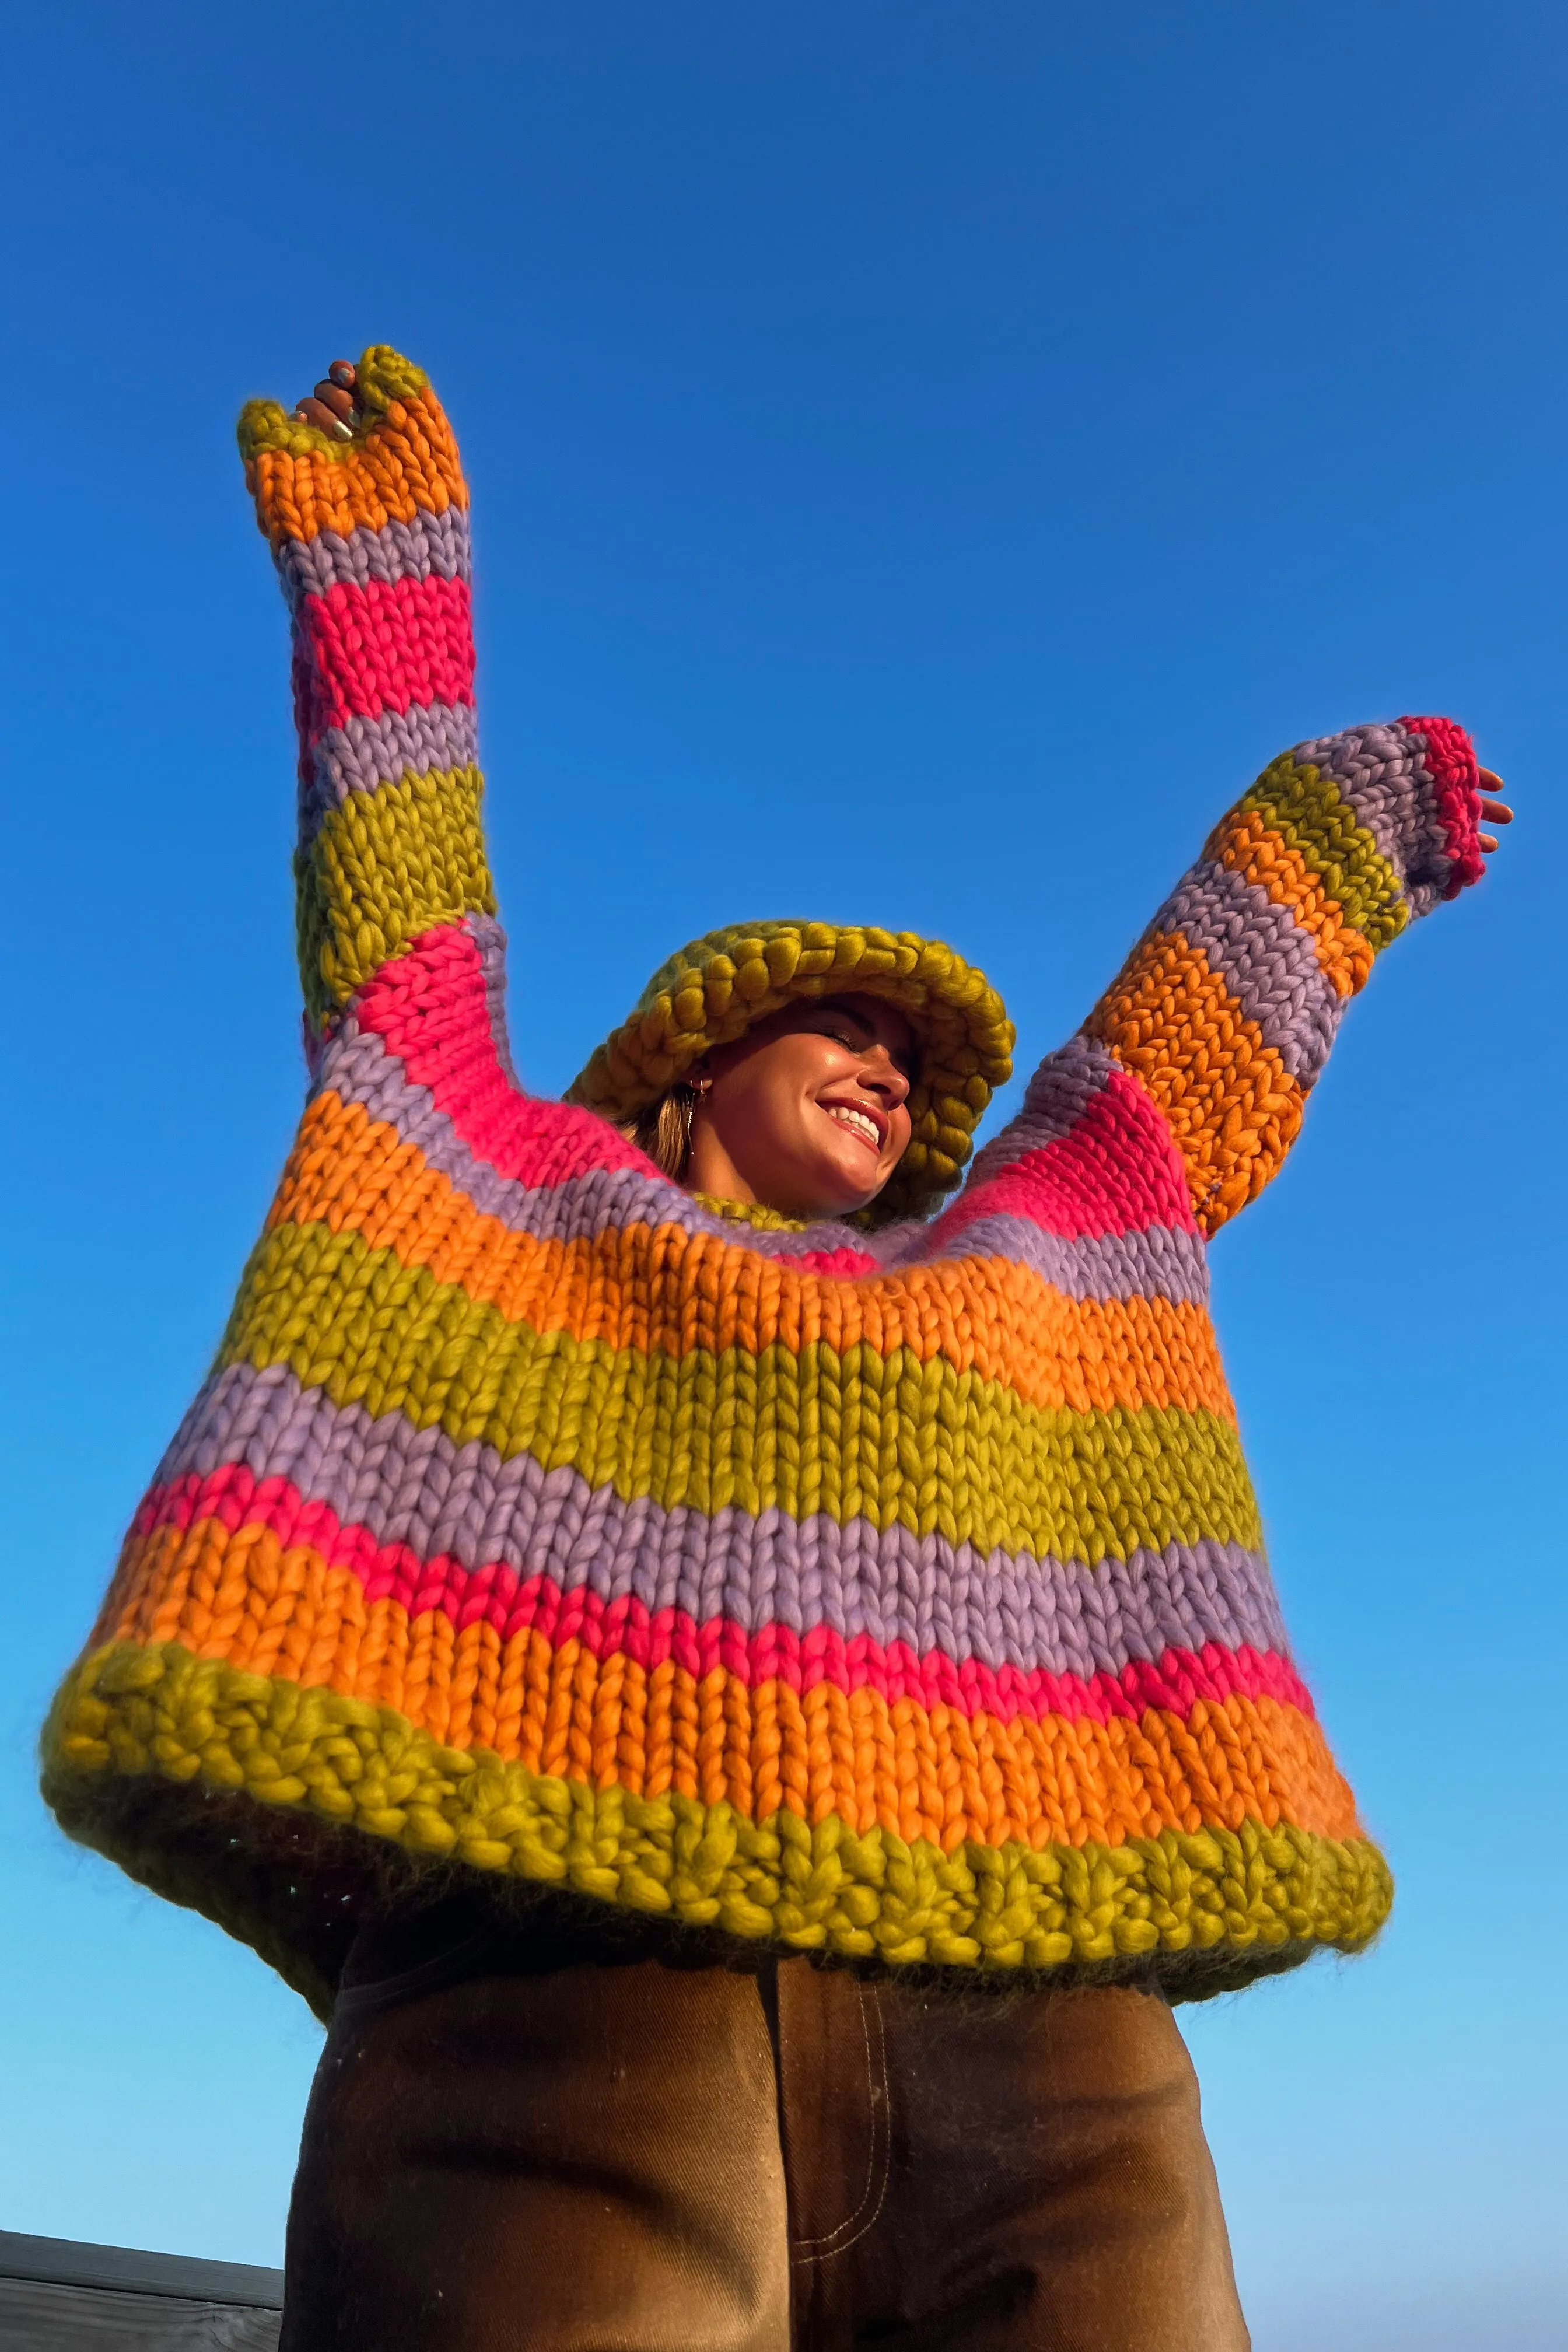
(663, 1130)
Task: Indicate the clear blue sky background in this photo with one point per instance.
(926, 460)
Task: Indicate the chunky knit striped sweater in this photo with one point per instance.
(897, 1595)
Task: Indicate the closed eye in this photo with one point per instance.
(843, 1032)
(846, 1030)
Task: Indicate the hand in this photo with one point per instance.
(333, 408)
(1493, 811)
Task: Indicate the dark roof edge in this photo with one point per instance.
(65, 2262)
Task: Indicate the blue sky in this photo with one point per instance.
(926, 460)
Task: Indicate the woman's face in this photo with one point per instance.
(807, 1113)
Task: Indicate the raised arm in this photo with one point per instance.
(361, 497)
(1225, 1013)
(1227, 1009)
(365, 509)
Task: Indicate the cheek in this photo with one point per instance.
(764, 1104)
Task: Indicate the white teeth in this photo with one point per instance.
(856, 1119)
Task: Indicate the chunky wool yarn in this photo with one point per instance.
(899, 1595)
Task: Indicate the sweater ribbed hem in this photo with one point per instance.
(152, 1754)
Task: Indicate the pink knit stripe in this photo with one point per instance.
(361, 650)
(496, 1595)
(430, 1008)
(845, 1263)
(1116, 1171)
(1451, 764)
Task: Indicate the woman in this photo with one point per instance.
(741, 1694)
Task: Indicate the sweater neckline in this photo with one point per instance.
(751, 1213)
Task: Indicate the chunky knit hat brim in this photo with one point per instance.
(716, 989)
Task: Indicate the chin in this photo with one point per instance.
(841, 1195)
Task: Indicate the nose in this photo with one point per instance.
(881, 1075)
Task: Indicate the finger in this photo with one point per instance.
(340, 403)
(1489, 842)
(1497, 811)
(341, 373)
(1491, 781)
(314, 413)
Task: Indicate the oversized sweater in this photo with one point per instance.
(894, 1595)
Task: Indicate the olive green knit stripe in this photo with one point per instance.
(1306, 810)
(382, 867)
(814, 1887)
(851, 1433)
(383, 376)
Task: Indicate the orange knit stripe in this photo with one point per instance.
(1252, 849)
(352, 1174)
(408, 465)
(930, 1773)
(1231, 1104)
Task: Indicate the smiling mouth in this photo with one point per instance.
(861, 1124)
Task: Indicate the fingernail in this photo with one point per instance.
(343, 433)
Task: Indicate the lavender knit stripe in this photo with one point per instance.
(1265, 959)
(1374, 770)
(364, 754)
(415, 1488)
(431, 545)
(1381, 773)
(1155, 1263)
(489, 938)
(1160, 1262)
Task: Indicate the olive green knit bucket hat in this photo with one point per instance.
(714, 990)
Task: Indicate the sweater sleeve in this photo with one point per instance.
(401, 957)
(371, 540)
(1226, 1010)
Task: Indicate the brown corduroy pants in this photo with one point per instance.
(553, 2143)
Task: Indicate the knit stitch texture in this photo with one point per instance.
(899, 1596)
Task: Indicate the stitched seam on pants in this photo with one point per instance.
(823, 2248)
